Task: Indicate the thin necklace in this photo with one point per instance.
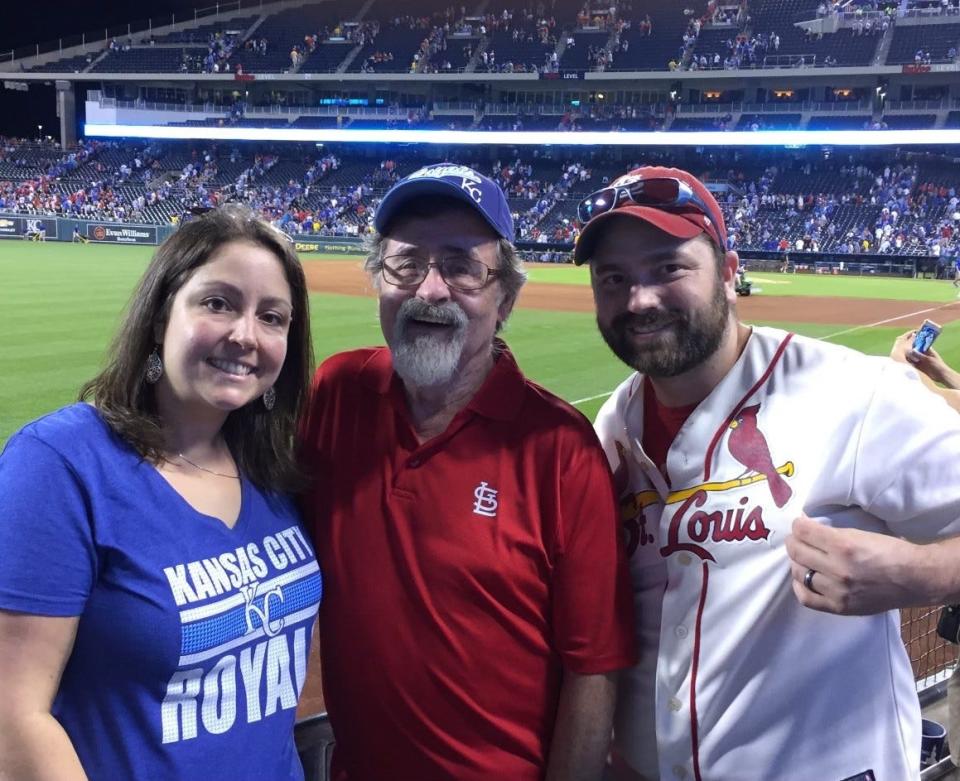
(204, 469)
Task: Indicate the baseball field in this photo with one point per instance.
(60, 303)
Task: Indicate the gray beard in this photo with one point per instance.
(426, 359)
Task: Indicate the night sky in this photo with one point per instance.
(28, 23)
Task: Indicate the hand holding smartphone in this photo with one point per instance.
(925, 336)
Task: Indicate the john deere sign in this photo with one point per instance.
(331, 246)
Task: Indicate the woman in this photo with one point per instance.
(156, 591)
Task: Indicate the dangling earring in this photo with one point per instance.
(154, 366)
(269, 398)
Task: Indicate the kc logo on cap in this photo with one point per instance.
(450, 179)
(469, 179)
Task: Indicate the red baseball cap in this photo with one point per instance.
(684, 222)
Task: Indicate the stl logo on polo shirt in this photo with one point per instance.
(486, 503)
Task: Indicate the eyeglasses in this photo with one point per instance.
(459, 272)
(662, 193)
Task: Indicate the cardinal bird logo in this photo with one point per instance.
(748, 446)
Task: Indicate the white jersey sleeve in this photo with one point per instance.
(905, 473)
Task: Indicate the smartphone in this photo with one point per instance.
(925, 336)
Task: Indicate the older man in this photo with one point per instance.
(477, 602)
(725, 440)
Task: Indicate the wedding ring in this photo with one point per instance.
(808, 580)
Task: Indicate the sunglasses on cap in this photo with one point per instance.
(661, 193)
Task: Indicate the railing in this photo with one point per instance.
(915, 105)
(708, 108)
(147, 105)
(840, 107)
(931, 11)
(96, 39)
(770, 62)
(453, 105)
(527, 109)
(790, 61)
(355, 112)
(772, 108)
(514, 109)
(847, 18)
(687, 109)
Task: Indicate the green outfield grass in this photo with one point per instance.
(60, 303)
(795, 284)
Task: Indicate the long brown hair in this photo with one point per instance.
(261, 441)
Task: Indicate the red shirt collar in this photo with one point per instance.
(499, 398)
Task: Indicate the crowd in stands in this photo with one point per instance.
(506, 40)
(256, 45)
(219, 49)
(791, 203)
(740, 51)
(434, 46)
(886, 212)
(359, 34)
(529, 24)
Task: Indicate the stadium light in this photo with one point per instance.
(771, 138)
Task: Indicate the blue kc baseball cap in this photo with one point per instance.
(455, 181)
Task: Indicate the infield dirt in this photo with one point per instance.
(347, 278)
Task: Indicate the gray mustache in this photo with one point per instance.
(415, 309)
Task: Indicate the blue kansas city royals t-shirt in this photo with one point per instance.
(193, 638)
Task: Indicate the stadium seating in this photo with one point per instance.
(327, 36)
(528, 52)
(400, 42)
(326, 57)
(314, 122)
(715, 40)
(779, 16)
(887, 202)
(456, 53)
(769, 121)
(200, 36)
(150, 59)
(845, 47)
(780, 197)
(286, 29)
(576, 56)
(655, 51)
(838, 122)
(76, 64)
(700, 123)
(934, 40)
(909, 121)
(449, 122)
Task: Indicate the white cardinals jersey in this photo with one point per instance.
(736, 680)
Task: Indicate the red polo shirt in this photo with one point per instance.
(461, 575)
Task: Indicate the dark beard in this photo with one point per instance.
(689, 340)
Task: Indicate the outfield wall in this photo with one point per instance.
(25, 226)
(908, 266)
(20, 226)
(329, 245)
